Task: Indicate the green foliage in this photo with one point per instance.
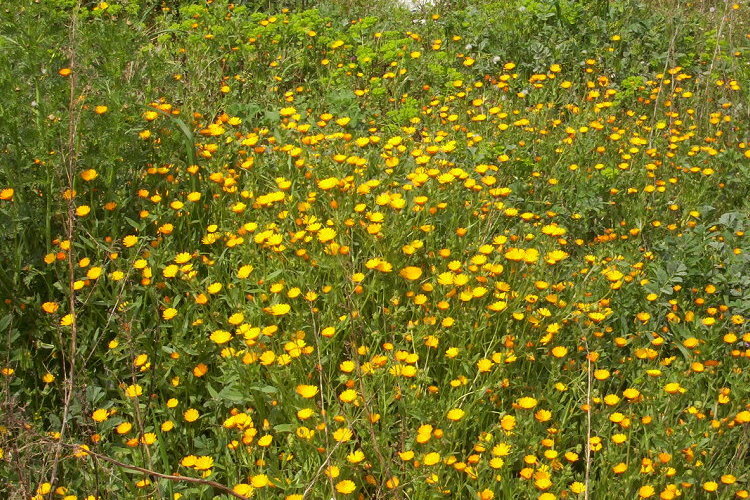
(504, 208)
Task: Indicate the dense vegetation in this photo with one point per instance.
(490, 249)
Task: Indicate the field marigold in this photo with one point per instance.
(100, 415)
(89, 175)
(50, 307)
(243, 489)
(345, 487)
(526, 403)
(307, 391)
(133, 391)
(124, 428)
(327, 234)
(191, 415)
(456, 414)
(348, 396)
(204, 463)
(220, 336)
(278, 309)
(646, 491)
(411, 273)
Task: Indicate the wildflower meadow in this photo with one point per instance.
(374, 250)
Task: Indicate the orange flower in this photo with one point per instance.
(89, 175)
(50, 307)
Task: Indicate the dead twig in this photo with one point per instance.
(70, 168)
(154, 473)
(588, 419)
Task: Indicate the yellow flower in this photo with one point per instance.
(501, 450)
(710, 486)
(348, 396)
(80, 451)
(221, 336)
(148, 438)
(100, 415)
(129, 241)
(601, 374)
(631, 393)
(124, 428)
(326, 235)
(204, 463)
(486, 494)
(94, 273)
(243, 489)
(260, 481)
(170, 271)
(728, 479)
(431, 458)
(89, 175)
(342, 435)
(456, 414)
(559, 351)
(483, 365)
(526, 403)
(646, 491)
(673, 388)
(328, 183)
(244, 271)
(133, 391)
(169, 313)
(287, 111)
(345, 487)
(411, 273)
(278, 309)
(191, 415)
(498, 306)
(307, 391)
(265, 440)
(543, 415)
